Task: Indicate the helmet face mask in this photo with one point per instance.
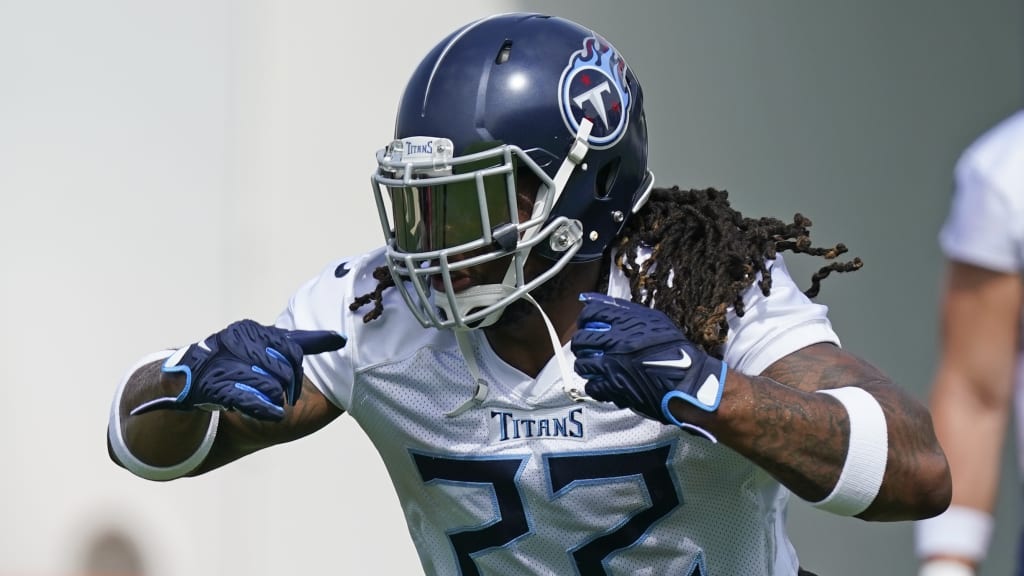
(444, 215)
(506, 101)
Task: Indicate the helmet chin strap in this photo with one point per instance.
(577, 152)
(474, 298)
(482, 389)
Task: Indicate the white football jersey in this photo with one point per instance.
(530, 482)
(985, 225)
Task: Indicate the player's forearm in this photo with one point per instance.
(970, 416)
(802, 437)
(165, 437)
(794, 436)
(972, 431)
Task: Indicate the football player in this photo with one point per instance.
(979, 375)
(564, 369)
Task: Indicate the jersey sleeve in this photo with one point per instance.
(771, 327)
(322, 304)
(776, 325)
(983, 226)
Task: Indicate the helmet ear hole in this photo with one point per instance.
(504, 53)
(606, 179)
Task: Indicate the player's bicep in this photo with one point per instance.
(826, 366)
(822, 366)
(239, 435)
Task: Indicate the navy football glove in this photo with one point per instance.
(246, 367)
(638, 358)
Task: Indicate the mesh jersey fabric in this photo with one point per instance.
(530, 482)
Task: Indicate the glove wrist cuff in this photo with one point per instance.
(706, 397)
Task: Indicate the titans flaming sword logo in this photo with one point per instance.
(593, 86)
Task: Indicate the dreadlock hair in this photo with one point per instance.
(384, 281)
(704, 256)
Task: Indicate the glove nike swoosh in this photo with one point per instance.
(681, 363)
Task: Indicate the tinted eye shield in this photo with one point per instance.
(428, 204)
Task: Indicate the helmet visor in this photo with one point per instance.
(454, 210)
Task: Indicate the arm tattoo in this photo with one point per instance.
(801, 438)
(240, 435)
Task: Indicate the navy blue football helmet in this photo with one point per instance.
(506, 99)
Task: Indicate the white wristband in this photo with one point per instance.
(959, 531)
(129, 460)
(866, 456)
(945, 568)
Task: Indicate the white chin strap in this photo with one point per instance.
(478, 297)
(480, 395)
(577, 152)
(473, 298)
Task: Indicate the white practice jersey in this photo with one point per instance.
(530, 482)
(985, 226)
